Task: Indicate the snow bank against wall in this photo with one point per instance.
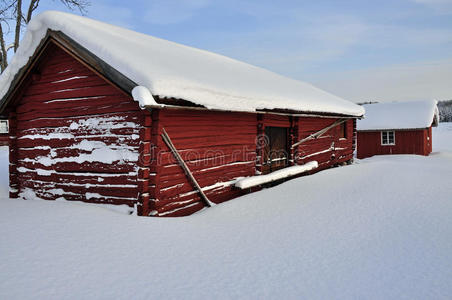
(249, 182)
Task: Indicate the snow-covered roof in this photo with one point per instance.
(167, 69)
(399, 115)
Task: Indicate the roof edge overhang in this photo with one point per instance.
(262, 111)
(391, 129)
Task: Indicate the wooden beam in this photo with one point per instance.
(184, 166)
(318, 133)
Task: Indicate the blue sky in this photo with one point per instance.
(360, 50)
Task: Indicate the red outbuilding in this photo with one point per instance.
(102, 114)
(397, 128)
(4, 137)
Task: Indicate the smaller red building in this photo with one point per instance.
(4, 132)
(397, 128)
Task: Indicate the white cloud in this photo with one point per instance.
(439, 6)
(398, 36)
(316, 44)
(433, 2)
(173, 11)
(416, 81)
(293, 45)
(112, 14)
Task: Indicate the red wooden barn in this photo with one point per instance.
(103, 114)
(397, 128)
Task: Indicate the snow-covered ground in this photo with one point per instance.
(378, 229)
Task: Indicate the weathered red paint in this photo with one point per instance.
(218, 147)
(46, 109)
(329, 149)
(406, 142)
(4, 138)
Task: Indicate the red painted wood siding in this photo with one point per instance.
(78, 136)
(4, 138)
(406, 142)
(328, 150)
(218, 147)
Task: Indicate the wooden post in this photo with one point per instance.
(260, 144)
(155, 163)
(184, 166)
(355, 140)
(293, 138)
(14, 186)
(143, 180)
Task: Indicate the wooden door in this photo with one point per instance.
(276, 152)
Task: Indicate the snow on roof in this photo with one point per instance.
(168, 69)
(399, 115)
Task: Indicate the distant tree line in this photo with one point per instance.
(367, 102)
(445, 110)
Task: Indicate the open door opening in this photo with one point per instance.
(276, 151)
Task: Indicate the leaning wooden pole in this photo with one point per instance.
(184, 166)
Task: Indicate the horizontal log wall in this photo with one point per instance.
(77, 136)
(221, 147)
(329, 149)
(218, 147)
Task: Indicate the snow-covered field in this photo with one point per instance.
(378, 229)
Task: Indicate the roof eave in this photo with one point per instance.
(285, 112)
(391, 129)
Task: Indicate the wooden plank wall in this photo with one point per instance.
(218, 147)
(406, 142)
(4, 138)
(221, 147)
(78, 136)
(329, 149)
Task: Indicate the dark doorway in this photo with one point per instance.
(276, 153)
